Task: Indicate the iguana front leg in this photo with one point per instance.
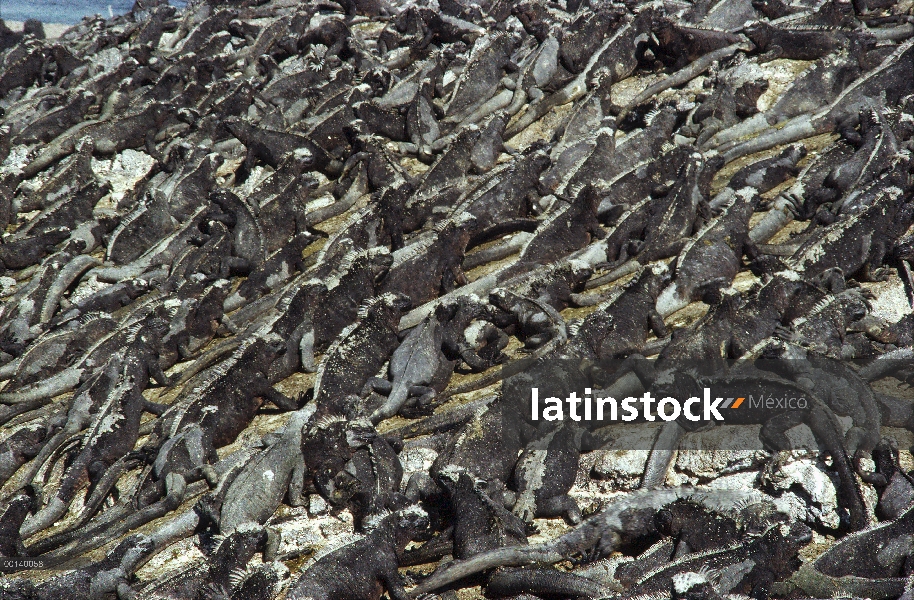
(306, 348)
(234, 265)
(149, 142)
(656, 324)
(421, 485)
(872, 269)
(279, 399)
(154, 408)
(560, 506)
(419, 403)
(394, 586)
(377, 384)
(156, 373)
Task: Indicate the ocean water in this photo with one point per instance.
(63, 11)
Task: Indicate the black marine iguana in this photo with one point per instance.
(365, 567)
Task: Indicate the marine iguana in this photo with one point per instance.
(29, 251)
(139, 230)
(751, 566)
(763, 175)
(451, 166)
(486, 447)
(468, 334)
(477, 82)
(738, 323)
(223, 399)
(30, 309)
(478, 522)
(546, 471)
(358, 354)
(143, 327)
(21, 447)
(850, 244)
(626, 519)
(185, 189)
(277, 473)
(530, 319)
(675, 215)
(616, 56)
(73, 208)
(841, 111)
(215, 258)
(272, 272)
(270, 146)
(847, 568)
(109, 576)
(629, 227)
(808, 377)
(22, 65)
(620, 324)
(417, 367)
(894, 485)
(801, 43)
(649, 143)
(55, 122)
(428, 268)
(196, 320)
(219, 573)
(638, 181)
(14, 512)
(365, 567)
(687, 528)
(328, 444)
(262, 582)
(724, 108)
(862, 197)
(823, 329)
(163, 253)
(583, 36)
(587, 142)
(676, 44)
(111, 436)
(135, 129)
(58, 349)
(876, 146)
(83, 407)
(712, 258)
(357, 279)
(507, 190)
(570, 228)
(369, 481)
(73, 173)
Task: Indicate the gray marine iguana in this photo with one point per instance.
(418, 368)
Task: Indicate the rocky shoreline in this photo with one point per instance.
(51, 30)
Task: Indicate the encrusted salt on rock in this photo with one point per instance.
(123, 171)
(807, 489)
(720, 451)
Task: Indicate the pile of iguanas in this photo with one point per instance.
(259, 254)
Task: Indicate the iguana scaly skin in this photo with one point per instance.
(276, 473)
(365, 567)
(358, 354)
(112, 435)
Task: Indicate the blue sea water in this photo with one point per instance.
(63, 11)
